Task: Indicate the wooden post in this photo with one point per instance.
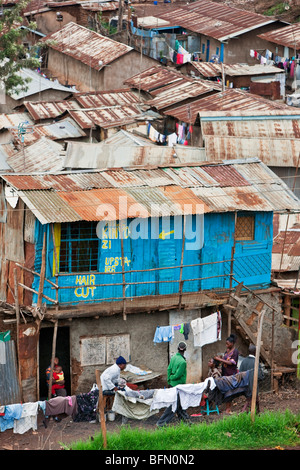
(123, 276)
(101, 409)
(43, 271)
(18, 325)
(52, 358)
(181, 264)
(256, 364)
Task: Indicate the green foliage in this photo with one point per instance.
(236, 432)
(13, 54)
(277, 9)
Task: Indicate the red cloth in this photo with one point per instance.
(132, 386)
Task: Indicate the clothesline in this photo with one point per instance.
(269, 58)
(21, 417)
(206, 330)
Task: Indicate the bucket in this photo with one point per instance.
(111, 416)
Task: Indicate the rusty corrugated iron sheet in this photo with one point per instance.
(97, 204)
(210, 69)
(236, 185)
(214, 19)
(41, 110)
(86, 45)
(97, 6)
(106, 117)
(155, 78)
(179, 92)
(287, 36)
(97, 99)
(43, 155)
(61, 130)
(8, 121)
(228, 101)
(271, 136)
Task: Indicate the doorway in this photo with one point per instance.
(45, 354)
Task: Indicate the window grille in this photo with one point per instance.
(244, 229)
(79, 247)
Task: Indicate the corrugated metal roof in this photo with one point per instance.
(86, 45)
(273, 138)
(209, 69)
(179, 92)
(155, 78)
(97, 99)
(48, 207)
(226, 175)
(230, 100)
(82, 155)
(123, 137)
(41, 110)
(106, 117)
(214, 19)
(99, 6)
(287, 36)
(44, 155)
(64, 129)
(97, 204)
(75, 196)
(13, 120)
(286, 250)
(36, 84)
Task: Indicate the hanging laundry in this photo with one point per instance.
(191, 394)
(263, 60)
(179, 59)
(172, 139)
(185, 330)
(163, 334)
(251, 53)
(28, 419)
(268, 54)
(206, 329)
(164, 398)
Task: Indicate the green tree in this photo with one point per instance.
(13, 54)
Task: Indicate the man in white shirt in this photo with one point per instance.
(109, 378)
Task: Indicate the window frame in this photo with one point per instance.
(243, 238)
(69, 241)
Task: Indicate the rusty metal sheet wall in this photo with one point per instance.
(10, 392)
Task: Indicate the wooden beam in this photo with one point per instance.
(43, 271)
(256, 364)
(52, 357)
(101, 409)
(18, 325)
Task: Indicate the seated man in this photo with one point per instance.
(110, 377)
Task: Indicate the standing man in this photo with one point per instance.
(109, 378)
(176, 376)
(248, 364)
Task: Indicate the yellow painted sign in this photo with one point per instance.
(87, 280)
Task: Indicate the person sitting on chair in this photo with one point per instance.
(110, 377)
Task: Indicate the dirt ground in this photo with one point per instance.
(66, 431)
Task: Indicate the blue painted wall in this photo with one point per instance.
(252, 260)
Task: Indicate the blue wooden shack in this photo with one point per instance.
(185, 229)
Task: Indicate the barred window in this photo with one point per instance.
(79, 247)
(244, 229)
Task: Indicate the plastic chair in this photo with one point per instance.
(206, 408)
